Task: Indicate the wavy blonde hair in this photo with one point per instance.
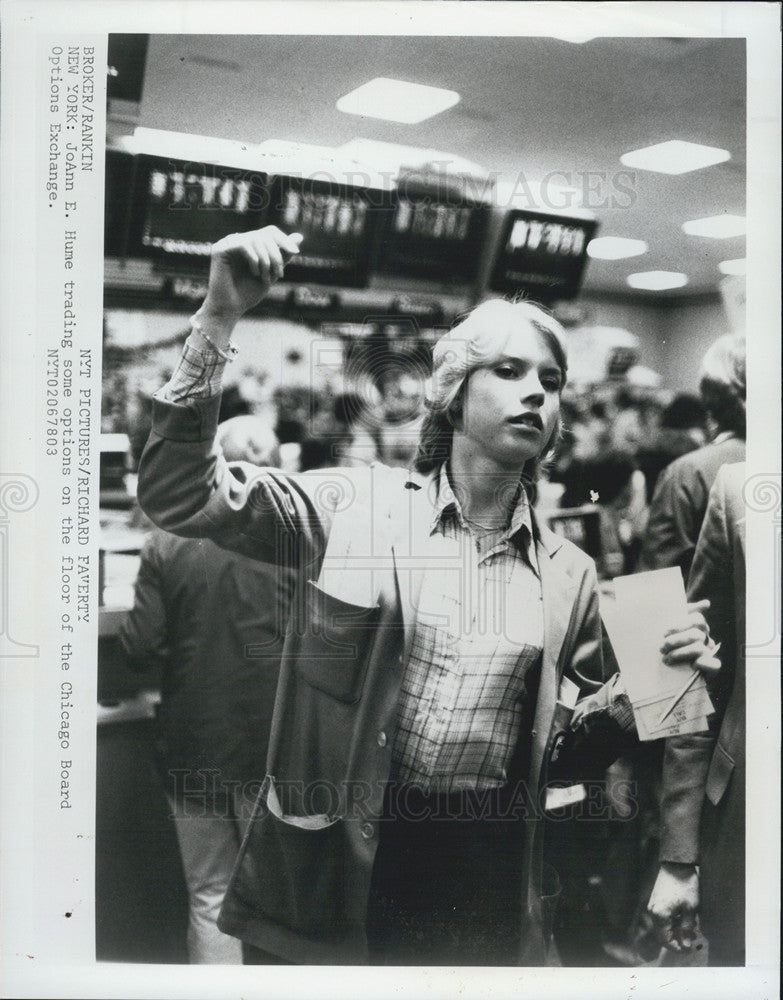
(474, 343)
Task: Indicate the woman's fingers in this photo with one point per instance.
(251, 257)
(275, 260)
(686, 653)
(694, 620)
(684, 636)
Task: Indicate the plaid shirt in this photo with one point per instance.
(198, 375)
(479, 629)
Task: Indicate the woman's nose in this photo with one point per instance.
(532, 391)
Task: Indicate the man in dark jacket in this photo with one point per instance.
(680, 498)
(703, 802)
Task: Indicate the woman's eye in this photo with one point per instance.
(506, 371)
(551, 382)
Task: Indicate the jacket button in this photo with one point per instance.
(381, 739)
(367, 830)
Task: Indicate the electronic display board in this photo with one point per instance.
(120, 175)
(338, 223)
(433, 235)
(181, 208)
(543, 255)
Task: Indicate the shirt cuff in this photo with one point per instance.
(199, 375)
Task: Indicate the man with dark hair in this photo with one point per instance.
(680, 499)
(682, 429)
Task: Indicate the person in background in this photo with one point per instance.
(413, 701)
(342, 434)
(607, 480)
(402, 396)
(358, 438)
(703, 778)
(213, 622)
(680, 498)
(682, 429)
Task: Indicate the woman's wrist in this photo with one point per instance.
(214, 328)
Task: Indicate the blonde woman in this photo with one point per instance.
(401, 819)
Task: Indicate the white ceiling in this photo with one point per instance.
(529, 106)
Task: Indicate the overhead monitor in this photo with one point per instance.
(181, 208)
(541, 255)
(338, 223)
(433, 235)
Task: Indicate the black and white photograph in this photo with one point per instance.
(406, 400)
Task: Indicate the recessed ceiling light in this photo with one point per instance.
(576, 37)
(615, 248)
(736, 266)
(657, 281)
(674, 157)
(397, 101)
(719, 227)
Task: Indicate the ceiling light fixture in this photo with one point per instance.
(674, 157)
(717, 227)
(615, 248)
(397, 101)
(657, 281)
(186, 146)
(736, 266)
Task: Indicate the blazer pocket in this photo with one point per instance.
(719, 774)
(334, 651)
(292, 871)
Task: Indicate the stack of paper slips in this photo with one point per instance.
(667, 700)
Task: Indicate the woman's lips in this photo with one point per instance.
(527, 420)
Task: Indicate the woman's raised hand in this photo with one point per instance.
(243, 268)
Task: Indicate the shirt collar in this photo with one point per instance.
(446, 504)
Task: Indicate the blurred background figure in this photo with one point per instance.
(682, 428)
(402, 408)
(610, 481)
(680, 498)
(213, 621)
(344, 433)
(358, 440)
(703, 802)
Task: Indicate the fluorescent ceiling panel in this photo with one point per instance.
(717, 227)
(674, 157)
(397, 101)
(615, 248)
(736, 266)
(657, 281)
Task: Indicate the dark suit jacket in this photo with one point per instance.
(216, 622)
(680, 501)
(703, 802)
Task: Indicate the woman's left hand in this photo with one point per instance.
(689, 643)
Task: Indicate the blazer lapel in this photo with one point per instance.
(558, 591)
(413, 548)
